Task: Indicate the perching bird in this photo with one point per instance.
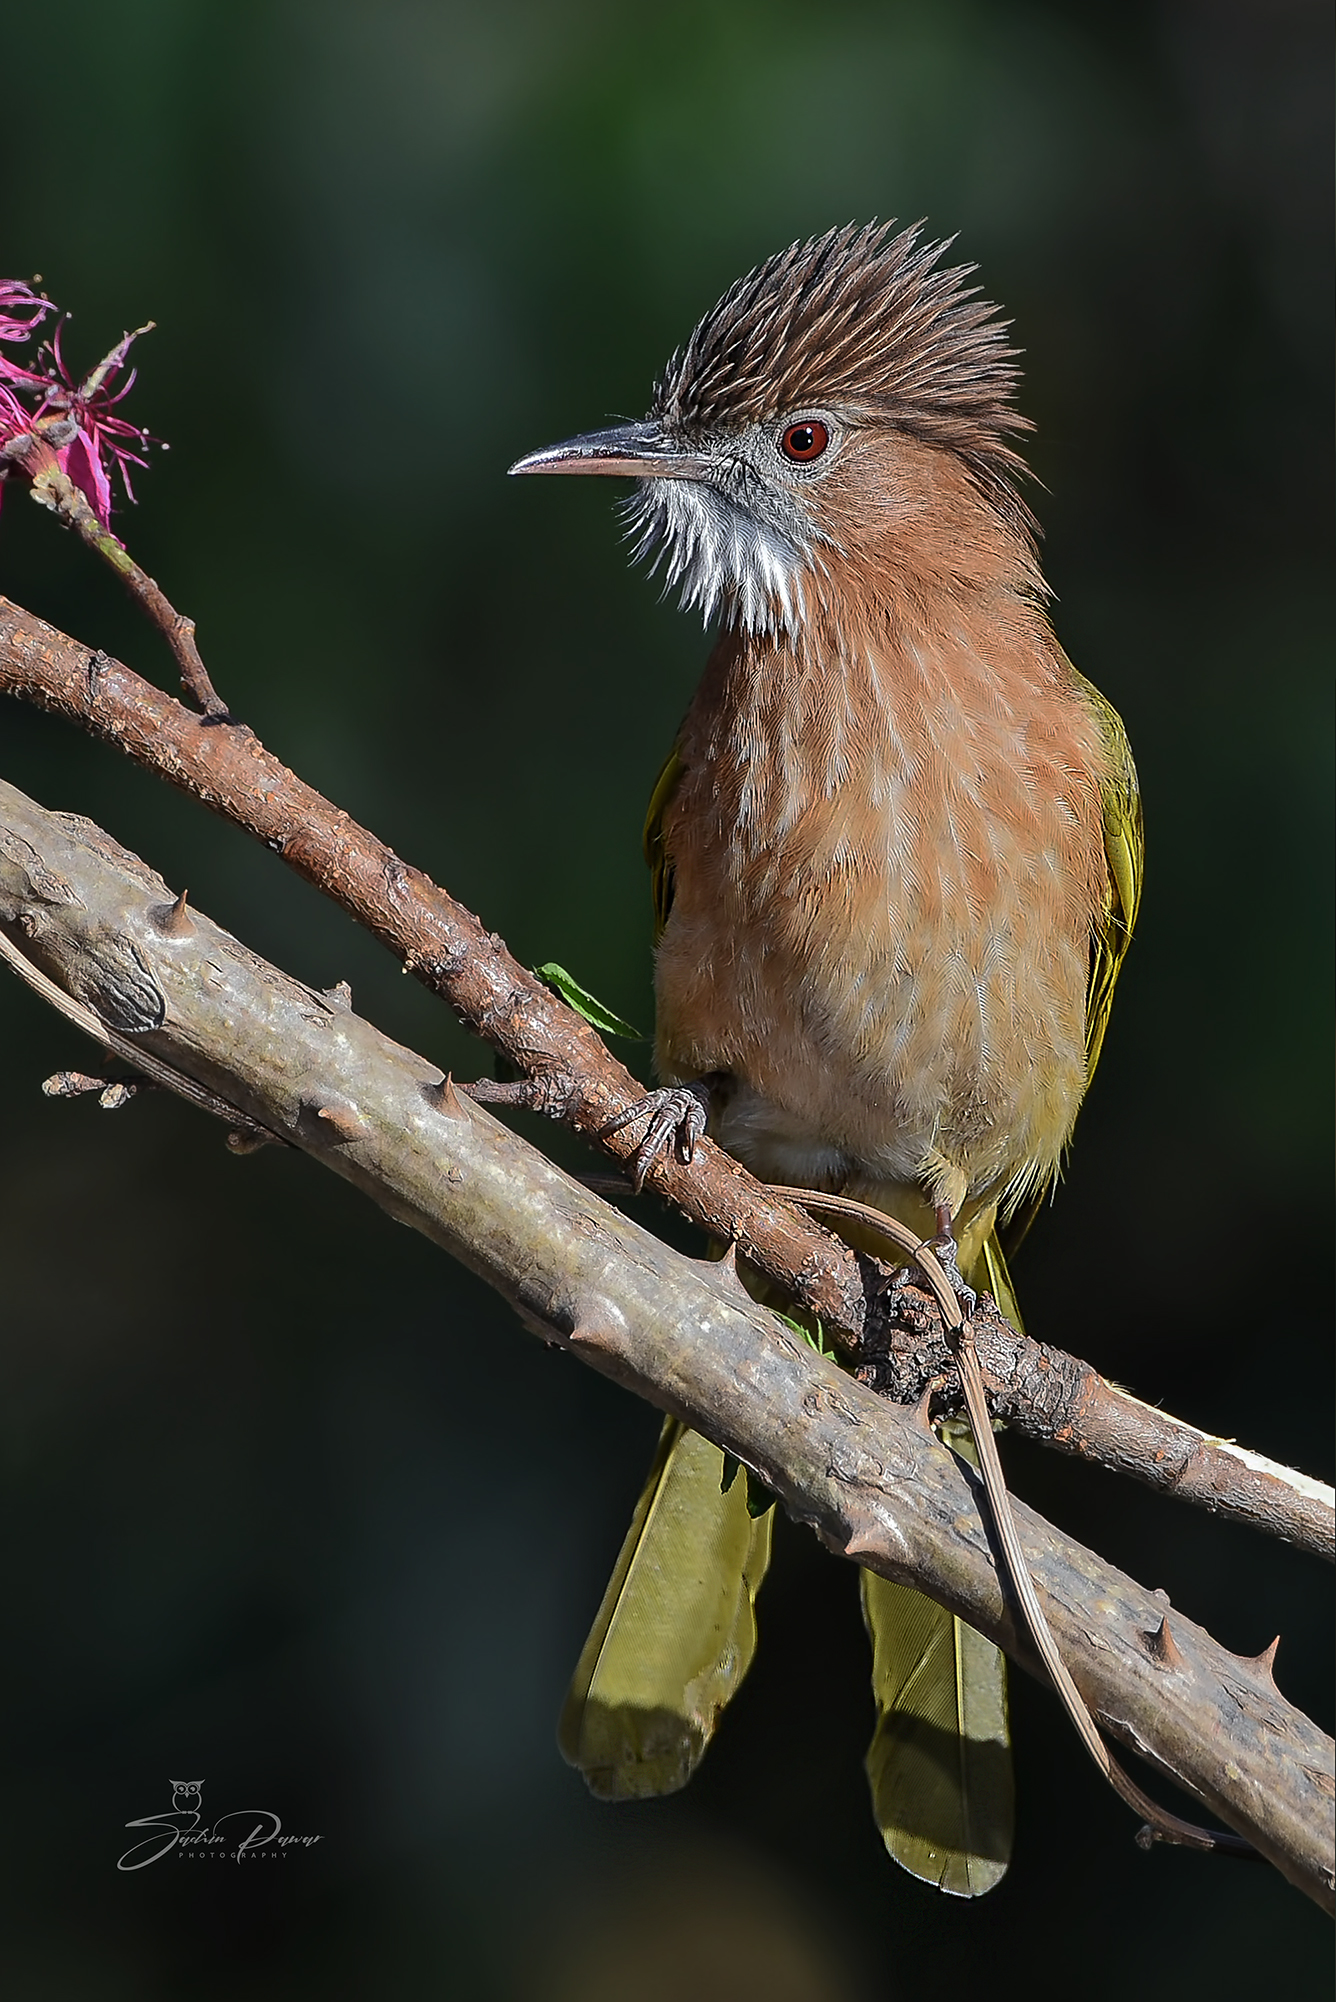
(897, 854)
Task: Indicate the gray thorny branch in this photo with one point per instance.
(176, 993)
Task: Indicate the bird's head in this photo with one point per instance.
(796, 423)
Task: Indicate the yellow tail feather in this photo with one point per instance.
(676, 1631)
(939, 1764)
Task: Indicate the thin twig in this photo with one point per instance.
(134, 1054)
(35, 452)
(1161, 1826)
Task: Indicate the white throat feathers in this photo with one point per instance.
(721, 555)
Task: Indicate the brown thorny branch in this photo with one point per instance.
(92, 928)
(37, 662)
(1050, 1396)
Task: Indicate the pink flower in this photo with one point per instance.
(76, 422)
(21, 312)
(14, 293)
(102, 439)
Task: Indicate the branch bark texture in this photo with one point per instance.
(872, 1479)
(1050, 1395)
(1062, 1402)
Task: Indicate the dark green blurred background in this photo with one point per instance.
(295, 1506)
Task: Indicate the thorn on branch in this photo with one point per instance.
(725, 1271)
(921, 1415)
(446, 1099)
(344, 1121)
(1162, 1648)
(1265, 1662)
(248, 1142)
(173, 920)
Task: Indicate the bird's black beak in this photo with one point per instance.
(638, 451)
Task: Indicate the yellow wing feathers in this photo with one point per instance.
(1125, 853)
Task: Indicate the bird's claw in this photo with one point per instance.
(943, 1249)
(677, 1116)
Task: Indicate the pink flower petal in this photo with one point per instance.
(82, 463)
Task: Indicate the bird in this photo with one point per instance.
(896, 855)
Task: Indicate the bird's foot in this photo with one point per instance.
(943, 1249)
(676, 1115)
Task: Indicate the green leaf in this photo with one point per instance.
(585, 1003)
(814, 1340)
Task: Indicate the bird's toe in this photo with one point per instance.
(676, 1117)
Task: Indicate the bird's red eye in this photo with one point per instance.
(804, 441)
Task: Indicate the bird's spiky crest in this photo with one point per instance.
(863, 322)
